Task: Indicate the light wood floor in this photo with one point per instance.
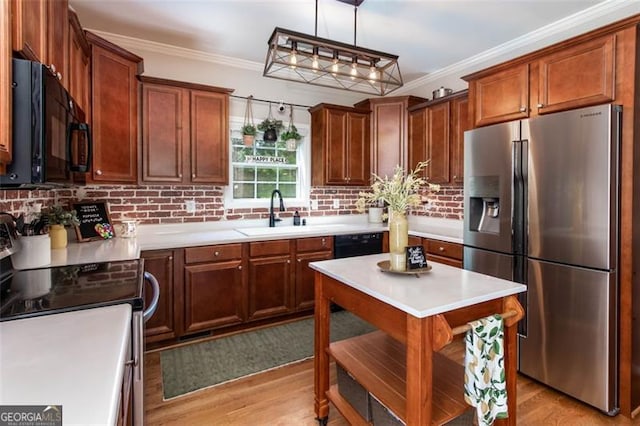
(285, 397)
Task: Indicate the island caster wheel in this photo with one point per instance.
(323, 421)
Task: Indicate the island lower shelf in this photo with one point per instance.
(378, 363)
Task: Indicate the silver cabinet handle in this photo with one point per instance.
(148, 313)
(240, 268)
(299, 260)
(288, 261)
(455, 176)
(99, 172)
(193, 176)
(540, 105)
(180, 175)
(523, 109)
(324, 241)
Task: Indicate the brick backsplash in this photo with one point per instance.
(165, 204)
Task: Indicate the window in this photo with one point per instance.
(256, 170)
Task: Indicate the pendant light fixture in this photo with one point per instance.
(310, 59)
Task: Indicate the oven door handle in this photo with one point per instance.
(148, 313)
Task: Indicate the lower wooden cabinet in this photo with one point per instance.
(164, 324)
(309, 250)
(443, 252)
(213, 295)
(270, 279)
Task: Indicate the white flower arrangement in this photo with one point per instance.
(399, 192)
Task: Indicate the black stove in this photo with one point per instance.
(44, 291)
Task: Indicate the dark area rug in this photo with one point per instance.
(202, 365)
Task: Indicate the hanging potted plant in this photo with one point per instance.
(291, 135)
(271, 127)
(248, 128)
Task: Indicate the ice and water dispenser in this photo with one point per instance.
(484, 203)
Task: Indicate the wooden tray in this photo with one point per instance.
(385, 266)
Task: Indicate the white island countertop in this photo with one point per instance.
(74, 359)
(442, 289)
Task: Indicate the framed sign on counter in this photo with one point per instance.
(95, 223)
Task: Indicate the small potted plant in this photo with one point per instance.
(58, 218)
(248, 134)
(271, 127)
(291, 137)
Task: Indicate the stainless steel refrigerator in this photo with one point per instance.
(541, 208)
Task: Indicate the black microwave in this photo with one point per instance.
(51, 141)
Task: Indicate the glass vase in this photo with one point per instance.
(58, 236)
(398, 240)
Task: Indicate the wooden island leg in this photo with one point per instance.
(321, 357)
(419, 370)
(510, 356)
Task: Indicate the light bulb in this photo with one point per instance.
(315, 64)
(334, 67)
(373, 74)
(293, 60)
(354, 71)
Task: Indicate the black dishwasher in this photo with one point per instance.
(357, 245)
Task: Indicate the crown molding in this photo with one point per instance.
(596, 16)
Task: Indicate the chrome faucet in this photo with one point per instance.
(272, 216)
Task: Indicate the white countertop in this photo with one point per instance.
(169, 236)
(74, 359)
(442, 289)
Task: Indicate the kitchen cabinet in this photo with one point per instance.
(309, 250)
(577, 76)
(271, 285)
(114, 111)
(40, 33)
(436, 133)
(443, 252)
(214, 287)
(6, 142)
(185, 136)
(568, 76)
(78, 65)
(389, 131)
(165, 323)
(340, 146)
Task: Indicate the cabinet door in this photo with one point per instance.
(358, 142)
(438, 126)
(305, 289)
(460, 110)
(214, 295)
(163, 324)
(270, 286)
(58, 38)
(165, 131)
(78, 65)
(209, 137)
(417, 137)
(336, 146)
(6, 142)
(578, 76)
(503, 96)
(29, 23)
(115, 116)
(388, 138)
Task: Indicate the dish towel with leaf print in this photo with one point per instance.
(484, 374)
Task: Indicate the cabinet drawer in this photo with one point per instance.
(213, 253)
(267, 248)
(314, 244)
(442, 248)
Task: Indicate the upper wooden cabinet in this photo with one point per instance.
(78, 65)
(389, 131)
(40, 32)
(436, 133)
(185, 136)
(570, 75)
(114, 111)
(339, 146)
(501, 96)
(6, 143)
(577, 76)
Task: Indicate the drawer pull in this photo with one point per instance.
(324, 241)
(299, 260)
(523, 109)
(99, 172)
(441, 249)
(540, 105)
(240, 268)
(288, 261)
(217, 253)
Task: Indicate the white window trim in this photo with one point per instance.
(304, 170)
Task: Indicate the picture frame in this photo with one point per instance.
(95, 223)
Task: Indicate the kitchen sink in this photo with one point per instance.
(293, 230)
